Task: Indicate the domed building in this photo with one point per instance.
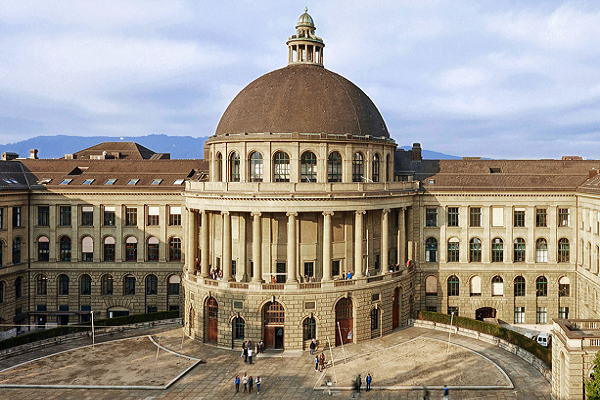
(301, 230)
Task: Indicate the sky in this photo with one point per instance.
(497, 79)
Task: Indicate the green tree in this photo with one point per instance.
(592, 386)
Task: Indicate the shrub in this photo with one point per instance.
(513, 337)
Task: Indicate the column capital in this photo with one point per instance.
(255, 213)
(328, 213)
(291, 214)
(224, 213)
(385, 210)
(360, 212)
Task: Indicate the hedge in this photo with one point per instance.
(65, 330)
(513, 337)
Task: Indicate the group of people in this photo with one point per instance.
(358, 383)
(248, 383)
(248, 350)
(320, 363)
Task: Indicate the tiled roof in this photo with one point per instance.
(126, 150)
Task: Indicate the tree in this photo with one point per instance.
(592, 386)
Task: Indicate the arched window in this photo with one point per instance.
(65, 248)
(497, 286)
(334, 167)
(174, 282)
(453, 250)
(309, 328)
(519, 286)
(519, 250)
(129, 285)
(453, 286)
(308, 167)
(175, 249)
(43, 248)
(475, 286)
(431, 247)
(107, 285)
(563, 250)
(431, 286)
(234, 167)
(87, 249)
(63, 285)
(18, 288)
(541, 286)
(109, 249)
(219, 173)
(541, 250)
(41, 283)
(374, 319)
(239, 326)
(375, 166)
(256, 167)
(358, 167)
(153, 244)
(281, 167)
(151, 285)
(85, 285)
(497, 250)
(16, 251)
(475, 250)
(564, 287)
(131, 249)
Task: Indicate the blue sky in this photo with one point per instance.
(499, 79)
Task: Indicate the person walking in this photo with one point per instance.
(258, 382)
(245, 382)
(358, 383)
(261, 346)
(250, 352)
(250, 384)
(368, 382)
(313, 345)
(237, 383)
(322, 362)
(316, 363)
(245, 352)
(446, 393)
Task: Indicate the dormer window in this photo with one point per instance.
(178, 182)
(88, 181)
(110, 182)
(156, 181)
(133, 181)
(66, 181)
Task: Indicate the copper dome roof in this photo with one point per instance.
(303, 98)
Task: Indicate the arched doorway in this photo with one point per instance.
(343, 322)
(273, 321)
(212, 315)
(485, 312)
(396, 301)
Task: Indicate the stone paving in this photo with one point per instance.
(290, 375)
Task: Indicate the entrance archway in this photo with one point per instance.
(396, 301)
(273, 322)
(485, 312)
(343, 322)
(211, 310)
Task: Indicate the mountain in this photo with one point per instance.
(181, 147)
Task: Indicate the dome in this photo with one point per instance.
(305, 19)
(304, 98)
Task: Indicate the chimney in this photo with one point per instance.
(8, 155)
(593, 172)
(416, 152)
(33, 154)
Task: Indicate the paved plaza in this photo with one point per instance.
(400, 364)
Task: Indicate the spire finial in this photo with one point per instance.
(305, 9)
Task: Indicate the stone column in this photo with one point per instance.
(358, 243)
(256, 248)
(226, 263)
(327, 242)
(401, 237)
(204, 246)
(385, 236)
(291, 248)
(189, 260)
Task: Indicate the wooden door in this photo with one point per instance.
(344, 322)
(212, 311)
(269, 337)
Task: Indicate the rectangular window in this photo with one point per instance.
(174, 215)
(564, 290)
(281, 272)
(540, 217)
(233, 266)
(43, 216)
(540, 315)
(453, 250)
(109, 216)
(497, 216)
(563, 312)
(475, 216)
(1, 218)
(309, 270)
(130, 216)
(431, 217)
(452, 216)
(87, 216)
(153, 213)
(519, 218)
(335, 267)
(16, 217)
(564, 219)
(453, 310)
(85, 317)
(152, 309)
(519, 315)
(173, 308)
(431, 308)
(497, 250)
(65, 216)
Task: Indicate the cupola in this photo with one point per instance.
(304, 47)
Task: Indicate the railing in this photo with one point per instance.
(300, 188)
(211, 282)
(273, 286)
(375, 278)
(344, 283)
(312, 285)
(238, 285)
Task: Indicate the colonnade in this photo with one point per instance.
(291, 246)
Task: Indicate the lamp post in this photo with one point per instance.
(450, 332)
